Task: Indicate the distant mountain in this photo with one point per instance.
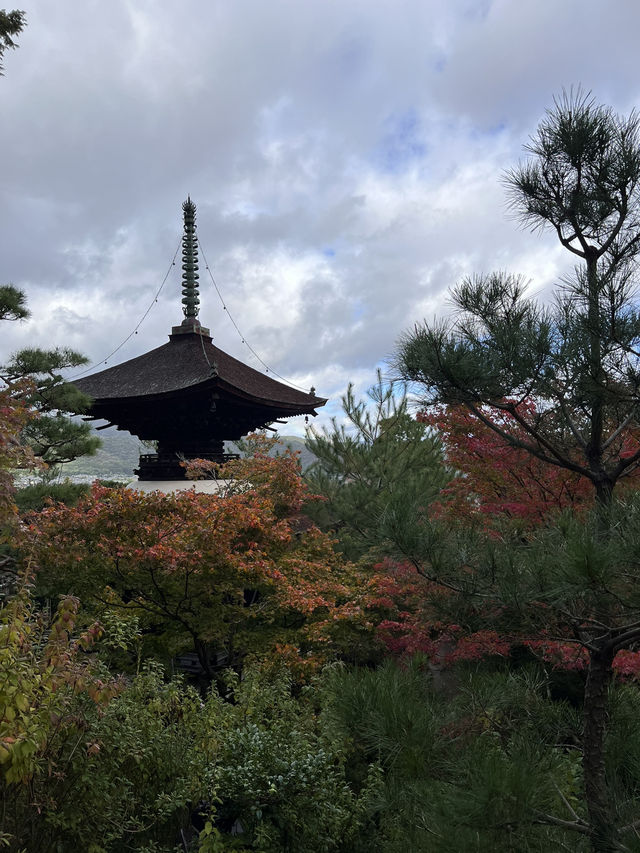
(120, 450)
(115, 460)
(295, 443)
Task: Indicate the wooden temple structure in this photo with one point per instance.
(188, 395)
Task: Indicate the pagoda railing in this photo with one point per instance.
(160, 466)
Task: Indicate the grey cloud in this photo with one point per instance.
(354, 149)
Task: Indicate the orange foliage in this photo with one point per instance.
(229, 571)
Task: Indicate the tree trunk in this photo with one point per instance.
(597, 376)
(599, 806)
(202, 651)
(604, 494)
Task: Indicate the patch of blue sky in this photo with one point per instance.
(477, 10)
(496, 129)
(402, 143)
(338, 246)
(440, 64)
(358, 311)
(491, 132)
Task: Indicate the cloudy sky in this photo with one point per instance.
(345, 157)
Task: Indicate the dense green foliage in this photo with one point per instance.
(382, 461)
(87, 762)
(476, 771)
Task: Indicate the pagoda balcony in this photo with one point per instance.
(166, 466)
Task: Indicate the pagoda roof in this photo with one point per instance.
(190, 361)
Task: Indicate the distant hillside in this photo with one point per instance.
(119, 453)
(294, 442)
(115, 460)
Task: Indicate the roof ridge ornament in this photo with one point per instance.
(190, 299)
(190, 276)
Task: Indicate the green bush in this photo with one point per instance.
(88, 762)
(36, 495)
(277, 777)
(477, 772)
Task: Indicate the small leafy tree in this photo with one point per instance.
(88, 761)
(231, 573)
(579, 361)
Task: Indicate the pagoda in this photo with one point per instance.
(188, 395)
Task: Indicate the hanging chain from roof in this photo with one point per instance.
(190, 300)
(134, 331)
(240, 335)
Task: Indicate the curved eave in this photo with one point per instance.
(192, 365)
(281, 405)
(210, 386)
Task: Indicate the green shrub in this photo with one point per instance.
(36, 495)
(277, 777)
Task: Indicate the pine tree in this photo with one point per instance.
(380, 458)
(13, 303)
(11, 25)
(579, 361)
(34, 379)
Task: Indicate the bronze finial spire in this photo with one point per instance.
(190, 300)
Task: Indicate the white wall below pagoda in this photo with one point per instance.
(208, 487)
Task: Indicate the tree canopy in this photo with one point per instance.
(578, 359)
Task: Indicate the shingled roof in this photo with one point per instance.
(186, 362)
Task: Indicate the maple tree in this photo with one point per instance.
(414, 615)
(228, 573)
(496, 480)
